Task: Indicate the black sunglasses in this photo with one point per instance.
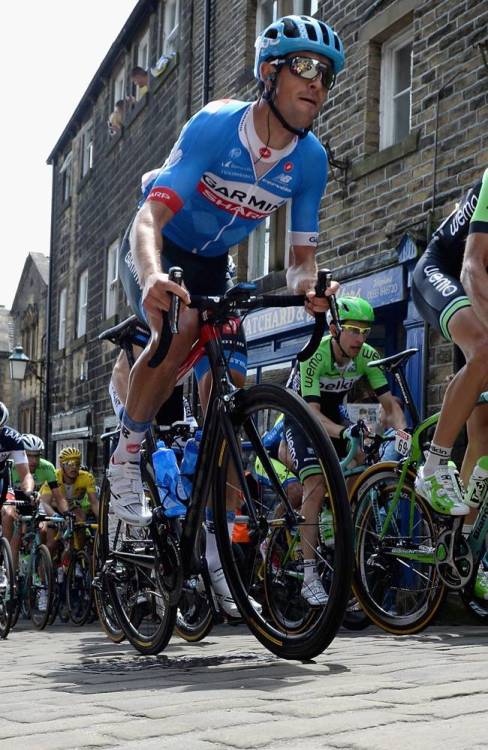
(309, 68)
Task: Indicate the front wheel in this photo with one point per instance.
(79, 588)
(290, 620)
(40, 587)
(7, 588)
(395, 577)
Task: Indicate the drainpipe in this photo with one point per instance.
(206, 52)
(47, 385)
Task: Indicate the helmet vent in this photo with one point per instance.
(311, 33)
(337, 43)
(325, 33)
(290, 29)
(271, 33)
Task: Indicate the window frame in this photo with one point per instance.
(62, 309)
(119, 78)
(389, 50)
(82, 304)
(66, 172)
(111, 279)
(86, 146)
(169, 36)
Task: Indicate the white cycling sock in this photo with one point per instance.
(437, 456)
(309, 570)
(131, 436)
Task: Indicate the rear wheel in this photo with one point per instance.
(106, 615)
(7, 588)
(142, 610)
(285, 622)
(395, 577)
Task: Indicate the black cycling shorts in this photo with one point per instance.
(437, 290)
(201, 275)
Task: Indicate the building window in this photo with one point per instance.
(65, 172)
(142, 56)
(86, 148)
(305, 7)
(268, 245)
(62, 318)
(82, 304)
(395, 89)
(267, 11)
(170, 26)
(118, 87)
(112, 276)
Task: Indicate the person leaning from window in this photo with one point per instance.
(140, 78)
(116, 119)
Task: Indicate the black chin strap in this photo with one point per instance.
(337, 339)
(268, 97)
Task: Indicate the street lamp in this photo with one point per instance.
(18, 362)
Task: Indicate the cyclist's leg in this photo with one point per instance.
(440, 298)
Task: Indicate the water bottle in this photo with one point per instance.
(477, 490)
(189, 462)
(167, 479)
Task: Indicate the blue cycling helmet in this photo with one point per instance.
(298, 34)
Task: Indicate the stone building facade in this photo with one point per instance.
(404, 129)
(29, 319)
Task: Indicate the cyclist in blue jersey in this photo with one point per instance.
(12, 447)
(234, 164)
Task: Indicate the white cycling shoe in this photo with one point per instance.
(224, 597)
(127, 498)
(314, 593)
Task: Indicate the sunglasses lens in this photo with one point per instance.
(309, 68)
(71, 464)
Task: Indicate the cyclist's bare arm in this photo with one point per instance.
(474, 274)
(394, 415)
(60, 500)
(92, 497)
(332, 428)
(26, 478)
(147, 244)
(301, 277)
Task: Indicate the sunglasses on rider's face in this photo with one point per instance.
(356, 330)
(71, 465)
(309, 68)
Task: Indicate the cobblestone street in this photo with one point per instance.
(68, 688)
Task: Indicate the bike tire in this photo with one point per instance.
(7, 590)
(194, 618)
(401, 596)
(310, 629)
(42, 570)
(143, 612)
(106, 615)
(79, 588)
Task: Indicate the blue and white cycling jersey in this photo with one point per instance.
(210, 183)
(11, 446)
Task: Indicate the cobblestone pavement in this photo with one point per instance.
(72, 688)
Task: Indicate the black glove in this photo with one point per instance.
(354, 431)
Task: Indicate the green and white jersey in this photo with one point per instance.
(44, 473)
(322, 380)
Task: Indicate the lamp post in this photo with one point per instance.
(19, 365)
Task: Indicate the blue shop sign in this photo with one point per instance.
(383, 288)
(379, 289)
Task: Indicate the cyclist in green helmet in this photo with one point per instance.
(325, 381)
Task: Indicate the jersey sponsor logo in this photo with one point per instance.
(311, 369)
(288, 166)
(369, 353)
(440, 282)
(463, 216)
(284, 178)
(248, 201)
(264, 152)
(167, 196)
(174, 157)
(337, 385)
(129, 262)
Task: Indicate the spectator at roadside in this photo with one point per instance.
(140, 77)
